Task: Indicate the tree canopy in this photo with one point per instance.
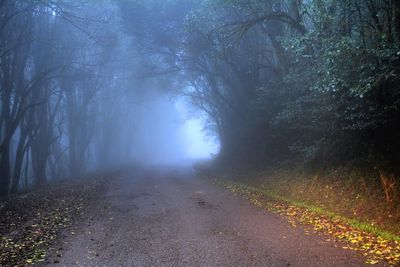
(307, 82)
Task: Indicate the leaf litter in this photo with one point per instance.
(376, 249)
(31, 222)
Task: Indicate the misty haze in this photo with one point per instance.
(199, 132)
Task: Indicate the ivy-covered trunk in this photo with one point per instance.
(396, 11)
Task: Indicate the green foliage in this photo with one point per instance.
(313, 81)
(355, 232)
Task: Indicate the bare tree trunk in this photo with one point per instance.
(40, 172)
(5, 168)
(41, 142)
(26, 167)
(19, 158)
(72, 131)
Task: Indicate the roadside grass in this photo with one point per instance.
(347, 211)
(356, 223)
(350, 198)
(375, 244)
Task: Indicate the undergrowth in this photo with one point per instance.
(340, 204)
(345, 194)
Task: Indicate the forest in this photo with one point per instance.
(297, 93)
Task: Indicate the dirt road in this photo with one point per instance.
(169, 217)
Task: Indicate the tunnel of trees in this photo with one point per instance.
(311, 83)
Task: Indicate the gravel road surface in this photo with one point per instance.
(165, 216)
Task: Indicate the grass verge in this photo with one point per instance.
(375, 244)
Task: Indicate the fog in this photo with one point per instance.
(89, 86)
(138, 105)
(93, 85)
(167, 131)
